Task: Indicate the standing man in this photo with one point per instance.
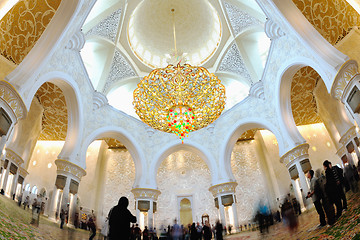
(119, 220)
(315, 194)
(334, 188)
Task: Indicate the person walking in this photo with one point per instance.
(316, 196)
(119, 220)
(91, 224)
(62, 218)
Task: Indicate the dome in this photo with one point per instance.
(151, 35)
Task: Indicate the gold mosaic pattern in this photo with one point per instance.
(333, 19)
(249, 134)
(113, 143)
(23, 25)
(303, 102)
(55, 117)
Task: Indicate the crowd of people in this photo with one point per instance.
(327, 192)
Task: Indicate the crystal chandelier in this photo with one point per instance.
(179, 98)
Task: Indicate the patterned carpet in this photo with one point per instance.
(347, 227)
(14, 224)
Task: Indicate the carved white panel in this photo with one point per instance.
(108, 27)
(119, 179)
(233, 62)
(239, 20)
(251, 185)
(120, 69)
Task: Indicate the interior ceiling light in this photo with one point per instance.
(179, 98)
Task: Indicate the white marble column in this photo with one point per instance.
(70, 171)
(222, 212)
(6, 176)
(224, 189)
(53, 204)
(151, 215)
(72, 209)
(65, 195)
(15, 181)
(294, 157)
(236, 220)
(146, 194)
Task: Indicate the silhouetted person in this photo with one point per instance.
(334, 188)
(219, 231)
(62, 218)
(193, 232)
(119, 220)
(207, 231)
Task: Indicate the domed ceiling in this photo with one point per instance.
(151, 33)
(126, 40)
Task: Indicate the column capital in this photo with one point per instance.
(11, 96)
(65, 168)
(346, 73)
(347, 137)
(297, 153)
(14, 157)
(223, 188)
(341, 151)
(22, 172)
(146, 193)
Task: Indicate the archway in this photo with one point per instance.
(113, 164)
(185, 212)
(183, 174)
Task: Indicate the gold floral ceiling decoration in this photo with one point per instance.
(55, 117)
(179, 98)
(23, 25)
(333, 19)
(303, 102)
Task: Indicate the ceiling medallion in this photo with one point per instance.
(179, 98)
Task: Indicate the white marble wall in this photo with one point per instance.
(251, 187)
(184, 173)
(119, 179)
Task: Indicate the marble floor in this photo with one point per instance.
(14, 224)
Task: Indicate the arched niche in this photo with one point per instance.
(185, 212)
(184, 174)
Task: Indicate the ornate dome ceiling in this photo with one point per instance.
(126, 40)
(150, 32)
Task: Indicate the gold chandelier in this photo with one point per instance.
(179, 98)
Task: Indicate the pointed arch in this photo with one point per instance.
(175, 146)
(125, 138)
(236, 131)
(73, 102)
